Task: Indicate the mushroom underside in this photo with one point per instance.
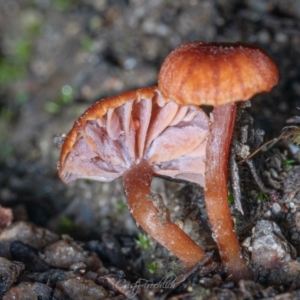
(170, 137)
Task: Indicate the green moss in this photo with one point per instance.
(143, 241)
(21, 98)
(87, 43)
(65, 97)
(95, 23)
(66, 225)
(289, 162)
(10, 71)
(6, 113)
(63, 5)
(13, 67)
(152, 267)
(230, 198)
(261, 196)
(22, 50)
(32, 21)
(52, 107)
(121, 206)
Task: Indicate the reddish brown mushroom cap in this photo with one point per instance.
(216, 73)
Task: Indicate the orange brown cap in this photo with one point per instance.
(216, 73)
(117, 133)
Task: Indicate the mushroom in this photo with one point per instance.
(219, 75)
(136, 135)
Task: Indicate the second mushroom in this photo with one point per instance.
(219, 75)
(136, 135)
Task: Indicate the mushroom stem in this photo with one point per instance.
(137, 183)
(216, 192)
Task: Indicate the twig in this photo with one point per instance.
(272, 142)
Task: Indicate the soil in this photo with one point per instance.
(59, 57)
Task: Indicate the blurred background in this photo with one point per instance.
(58, 57)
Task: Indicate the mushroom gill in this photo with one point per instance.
(136, 135)
(118, 132)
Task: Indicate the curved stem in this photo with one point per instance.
(148, 215)
(216, 192)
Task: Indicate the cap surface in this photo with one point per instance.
(118, 132)
(216, 73)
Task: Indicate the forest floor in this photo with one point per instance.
(79, 241)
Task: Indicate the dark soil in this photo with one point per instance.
(59, 57)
